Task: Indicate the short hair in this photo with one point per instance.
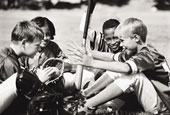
(132, 26)
(111, 23)
(26, 30)
(41, 21)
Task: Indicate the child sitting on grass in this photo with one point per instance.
(144, 65)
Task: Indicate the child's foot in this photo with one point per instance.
(86, 95)
(85, 111)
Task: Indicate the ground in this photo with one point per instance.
(67, 22)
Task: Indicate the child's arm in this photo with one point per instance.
(111, 66)
(78, 55)
(104, 56)
(87, 60)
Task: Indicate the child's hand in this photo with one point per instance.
(79, 55)
(87, 59)
(47, 73)
(76, 53)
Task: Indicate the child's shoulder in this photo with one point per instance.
(52, 44)
(8, 56)
(53, 47)
(5, 51)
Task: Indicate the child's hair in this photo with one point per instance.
(41, 21)
(111, 23)
(132, 26)
(26, 30)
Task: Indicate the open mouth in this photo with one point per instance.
(115, 45)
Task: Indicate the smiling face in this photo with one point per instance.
(129, 43)
(111, 40)
(47, 36)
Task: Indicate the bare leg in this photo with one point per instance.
(110, 92)
(98, 85)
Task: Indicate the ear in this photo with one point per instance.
(137, 38)
(22, 43)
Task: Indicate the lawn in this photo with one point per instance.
(67, 22)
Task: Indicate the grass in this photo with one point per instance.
(67, 22)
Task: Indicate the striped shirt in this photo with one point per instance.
(97, 42)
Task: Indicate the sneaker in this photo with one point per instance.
(85, 111)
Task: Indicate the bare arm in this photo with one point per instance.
(104, 56)
(78, 56)
(108, 65)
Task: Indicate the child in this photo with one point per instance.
(144, 64)
(47, 48)
(106, 41)
(25, 41)
(103, 45)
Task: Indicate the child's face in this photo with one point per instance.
(31, 48)
(111, 40)
(47, 36)
(128, 42)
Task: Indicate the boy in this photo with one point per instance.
(25, 41)
(106, 41)
(50, 49)
(143, 65)
(47, 49)
(103, 45)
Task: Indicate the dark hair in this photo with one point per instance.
(26, 30)
(41, 21)
(111, 23)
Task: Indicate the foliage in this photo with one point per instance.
(162, 4)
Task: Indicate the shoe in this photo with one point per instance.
(85, 111)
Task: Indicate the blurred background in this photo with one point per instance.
(66, 16)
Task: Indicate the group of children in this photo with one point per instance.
(137, 68)
(125, 62)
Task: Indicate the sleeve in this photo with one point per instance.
(96, 40)
(10, 67)
(58, 53)
(141, 62)
(122, 56)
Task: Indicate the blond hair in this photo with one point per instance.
(130, 27)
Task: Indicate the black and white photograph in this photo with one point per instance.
(84, 57)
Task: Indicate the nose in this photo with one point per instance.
(46, 38)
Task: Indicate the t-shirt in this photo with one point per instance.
(97, 42)
(149, 61)
(9, 63)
